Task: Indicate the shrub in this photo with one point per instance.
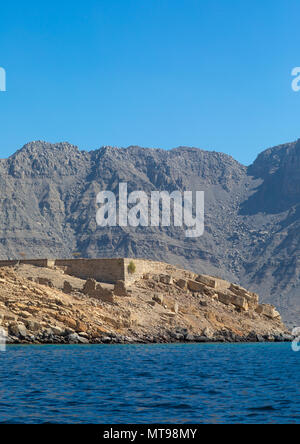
(131, 267)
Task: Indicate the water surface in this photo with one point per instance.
(197, 383)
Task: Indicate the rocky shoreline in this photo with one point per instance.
(47, 337)
(39, 305)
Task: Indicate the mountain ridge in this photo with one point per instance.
(252, 214)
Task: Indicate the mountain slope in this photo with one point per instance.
(252, 215)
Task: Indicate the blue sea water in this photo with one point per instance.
(182, 383)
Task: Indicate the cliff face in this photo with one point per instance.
(252, 215)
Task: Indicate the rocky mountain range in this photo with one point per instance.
(252, 214)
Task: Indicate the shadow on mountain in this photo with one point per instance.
(278, 168)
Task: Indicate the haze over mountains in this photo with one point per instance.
(252, 214)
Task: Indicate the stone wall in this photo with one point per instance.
(36, 262)
(103, 270)
(144, 266)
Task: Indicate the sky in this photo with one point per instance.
(213, 74)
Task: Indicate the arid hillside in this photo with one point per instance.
(43, 305)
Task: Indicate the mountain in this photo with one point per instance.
(252, 214)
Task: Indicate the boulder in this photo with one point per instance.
(120, 289)
(174, 307)
(44, 281)
(57, 330)
(89, 286)
(73, 338)
(229, 298)
(208, 333)
(67, 288)
(195, 286)
(206, 280)
(104, 294)
(166, 279)
(182, 283)
(18, 330)
(32, 325)
(159, 298)
(213, 282)
(268, 310)
(252, 298)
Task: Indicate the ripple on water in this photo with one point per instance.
(188, 383)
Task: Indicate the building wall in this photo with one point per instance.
(37, 262)
(104, 270)
(144, 266)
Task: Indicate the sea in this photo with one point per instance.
(147, 384)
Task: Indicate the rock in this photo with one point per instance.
(252, 298)
(229, 298)
(268, 310)
(170, 314)
(159, 298)
(73, 338)
(177, 336)
(260, 338)
(195, 286)
(106, 339)
(206, 280)
(18, 330)
(9, 317)
(80, 326)
(182, 283)
(166, 279)
(174, 307)
(24, 315)
(201, 339)
(104, 294)
(82, 340)
(44, 281)
(57, 330)
(208, 333)
(68, 322)
(67, 288)
(89, 286)
(189, 338)
(68, 331)
(32, 325)
(120, 289)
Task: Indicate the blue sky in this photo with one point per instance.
(215, 74)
